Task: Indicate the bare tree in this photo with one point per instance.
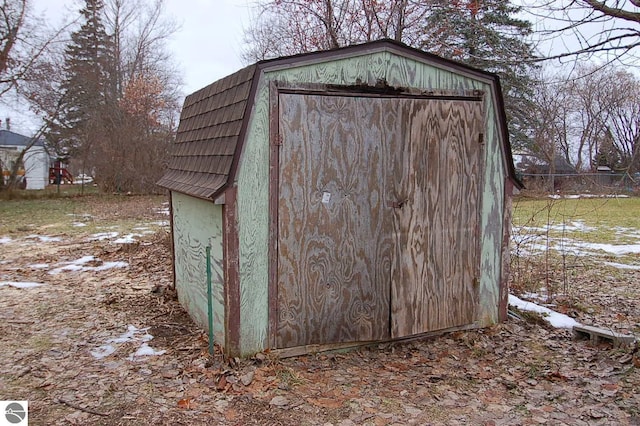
(24, 46)
(590, 121)
(609, 29)
(286, 27)
(142, 119)
(486, 34)
(551, 115)
(624, 121)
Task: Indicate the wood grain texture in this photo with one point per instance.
(503, 299)
(493, 208)
(436, 266)
(231, 270)
(196, 224)
(253, 230)
(253, 175)
(402, 218)
(334, 256)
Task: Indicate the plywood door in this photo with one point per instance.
(435, 270)
(334, 228)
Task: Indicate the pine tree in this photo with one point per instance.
(86, 89)
(607, 154)
(486, 34)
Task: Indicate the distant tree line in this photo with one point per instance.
(589, 121)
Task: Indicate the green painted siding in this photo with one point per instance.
(253, 178)
(492, 226)
(196, 224)
(253, 229)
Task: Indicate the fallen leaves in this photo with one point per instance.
(513, 373)
(185, 403)
(325, 402)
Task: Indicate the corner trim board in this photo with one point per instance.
(231, 246)
(274, 185)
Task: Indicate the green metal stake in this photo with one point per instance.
(209, 300)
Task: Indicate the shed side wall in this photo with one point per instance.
(253, 178)
(196, 224)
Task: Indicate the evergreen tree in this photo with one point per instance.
(486, 34)
(86, 89)
(607, 154)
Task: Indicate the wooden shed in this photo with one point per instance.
(355, 195)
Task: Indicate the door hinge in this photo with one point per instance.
(278, 140)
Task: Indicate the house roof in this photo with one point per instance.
(9, 138)
(212, 123)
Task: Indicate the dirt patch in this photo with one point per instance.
(74, 347)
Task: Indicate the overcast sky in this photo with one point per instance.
(206, 47)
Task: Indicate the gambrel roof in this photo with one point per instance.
(214, 119)
(210, 124)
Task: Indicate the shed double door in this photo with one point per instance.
(377, 227)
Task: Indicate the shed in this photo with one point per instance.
(348, 196)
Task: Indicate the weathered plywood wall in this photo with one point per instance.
(436, 266)
(335, 239)
(196, 224)
(253, 178)
(408, 72)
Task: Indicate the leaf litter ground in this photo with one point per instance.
(157, 369)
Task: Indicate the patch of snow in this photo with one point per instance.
(80, 265)
(164, 211)
(102, 236)
(576, 196)
(145, 350)
(127, 239)
(16, 284)
(133, 334)
(623, 266)
(554, 318)
(107, 265)
(535, 296)
(618, 250)
(39, 266)
(627, 232)
(78, 224)
(70, 268)
(161, 223)
(577, 225)
(102, 351)
(43, 238)
(5, 240)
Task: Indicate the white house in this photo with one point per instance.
(35, 167)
